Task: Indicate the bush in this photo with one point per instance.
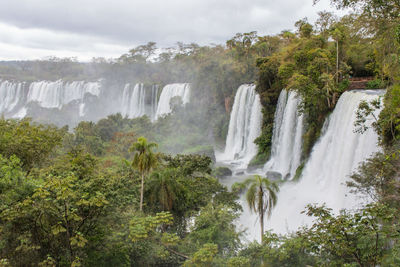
(376, 84)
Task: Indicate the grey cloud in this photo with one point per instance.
(139, 21)
(76, 25)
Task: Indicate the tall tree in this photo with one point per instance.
(164, 189)
(261, 197)
(144, 161)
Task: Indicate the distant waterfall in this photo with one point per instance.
(244, 127)
(338, 152)
(56, 94)
(139, 100)
(11, 94)
(287, 136)
(152, 111)
(133, 104)
(168, 92)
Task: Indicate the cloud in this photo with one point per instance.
(96, 27)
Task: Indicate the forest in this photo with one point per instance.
(125, 191)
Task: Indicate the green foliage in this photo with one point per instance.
(389, 118)
(261, 196)
(71, 209)
(165, 190)
(141, 227)
(14, 185)
(60, 215)
(189, 163)
(203, 257)
(221, 172)
(365, 112)
(31, 143)
(144, 160)
(376, 84)
(375, 8)
(215, 224)
(359, 238)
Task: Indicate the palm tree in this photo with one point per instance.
(144, 160)
(261, 197)
(163, 189)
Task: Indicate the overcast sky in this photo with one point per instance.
(34, 29)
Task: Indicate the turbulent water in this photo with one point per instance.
(168, 92)
(334, 157)
(287, 136)
(244, 127)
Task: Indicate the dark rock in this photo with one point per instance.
(222, 172)
(274, 175)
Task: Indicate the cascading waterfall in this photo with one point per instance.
(138, 101)
(153, 102)
(287, 136)
(244, 127)
(56, 94)
(338, 152)
(133, 104)
(168, 92)
(11, 94)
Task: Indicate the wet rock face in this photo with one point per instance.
(274, 175)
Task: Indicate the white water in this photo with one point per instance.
(133, 104)
(287, 136)
(56, 94)
(153, 102)
(11, 93)
(334, 157)
(244, 128)
(168, 92)
(138, 101)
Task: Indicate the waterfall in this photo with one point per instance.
(152, 110)
(138, 101)
(11, 94)
(244, 127)
(168, 92)
(56, 94)
(334, 157)
(133, 104)
(287, 136)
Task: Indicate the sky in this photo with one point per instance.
(36, 29)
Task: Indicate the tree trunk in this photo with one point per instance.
(141, 193)
(337, 61)
(262, 226)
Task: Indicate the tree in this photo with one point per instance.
(163, 189)
(261, 197)
(374, 8)
(58, 212)
(348, 239)
(144, 161)
(139, 54)
(215, 224)
(31, 143)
